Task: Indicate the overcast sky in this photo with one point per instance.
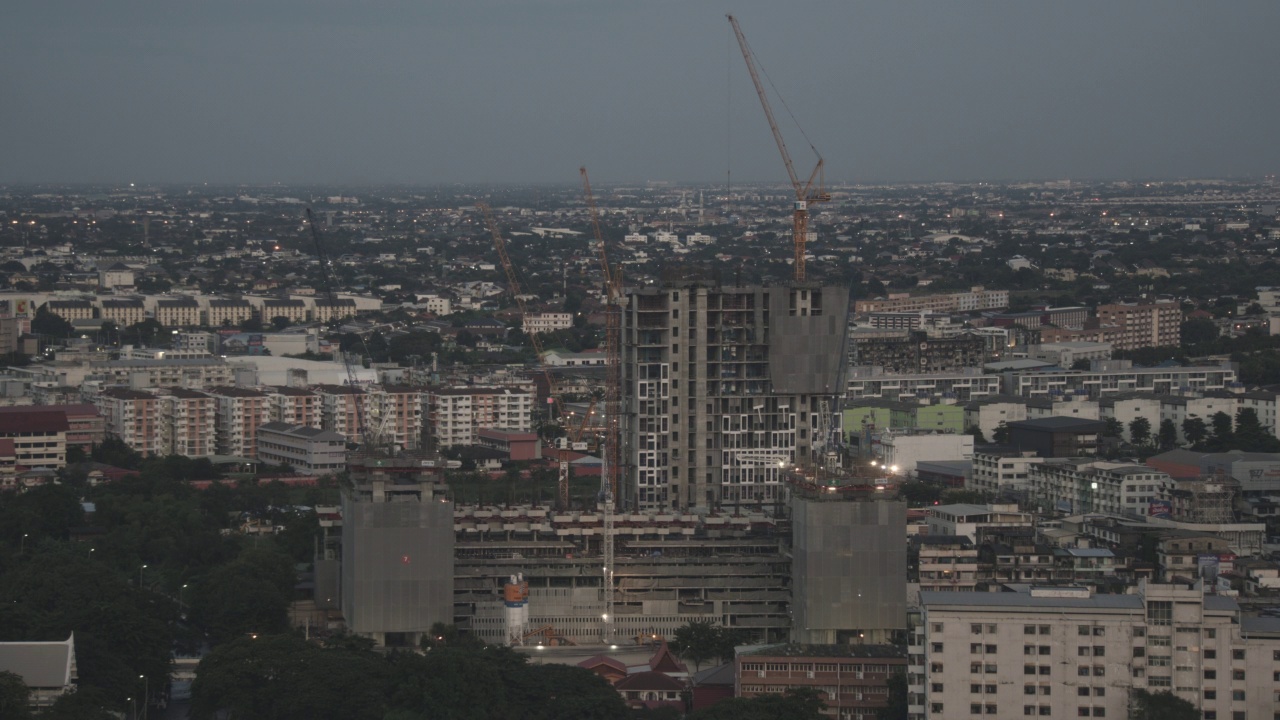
(514, 91)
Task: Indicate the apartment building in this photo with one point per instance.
(132, 416)
(306, 449)
(326, 310)
(241, 411)
(1082, 485)
(1128, 407)
(873, 382)
(188, 423)
(124, 312)
(399, 410)
(223, 312)
(988, 413)
(295, 311)
(917, 353)
(344, 410)
(295, 406)
(1060, 652)
(547, 322)
(456, 414)
(1002, 470)
(39, 437)
(149, 373)
(1143, 324)
(179, 312)
(948, 563)
(1120, 376)
(977, 299)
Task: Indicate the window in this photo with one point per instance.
(975, 629)
(975, 648)
(1099, 691)
(1139, 632)
(1028, 649)
(991, 648)
(1084, 691)
(1028, 709)
(1237, 674)
(1083, 670)
(975, 667)
(1099, 650)
(1044, 690)
(975, 708)
(1045, 710)
(935, 687)
(1237, 654)
(1028, 689)
(1044, 629)
(1028, 629)
(937, 627)
(1210, 694)
(975, 688)
(1210, 674)
(1237, 695)
(935, 667)
(937, 647)
(1045, 650)
(991, 709)
(1099, 670)
(1099, 631)
(1159, 612)
(1028, 669)
(1099, 711)
(1044, 669)
(1210, 633)
(1083, 651)
(1082, 629)
(991, 629)
(935, 708)
(1210, 654)
(991, 669)
(1082, 711)
(1139, 652)
(990, 689)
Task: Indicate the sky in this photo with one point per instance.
(429, 92)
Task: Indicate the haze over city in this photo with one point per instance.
(524, 92)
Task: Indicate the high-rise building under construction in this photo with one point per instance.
(725, 386)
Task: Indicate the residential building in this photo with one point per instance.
(71, 309)
(518, 446)
(223, 312)
(241, 411)
(179, 312)
(133, 417)
(989, 413)
(1002, 470)
(306, 449)
(295, 311)
(326, 310)
(1083, 654)
(975, 300)
(975, 521)
(39, 437)
(188, 373)
(544, 322)
(1066, 354)
(901, 450)
(1082, 485)
(188, 423)
(948, 563)
(1119, 376)
(124, 312)
(118, 275)
(917, 353)
(456, 414)
(344, 410)
(873, 382)
(1142, 325)
(398, 411)
(295, 406)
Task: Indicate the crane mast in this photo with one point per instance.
(574, 432)
(331, 292)
(612, 446)
(807, 191)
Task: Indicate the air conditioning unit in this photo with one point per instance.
(810, 674)
(759, 673)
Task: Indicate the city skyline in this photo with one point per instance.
(420, 94)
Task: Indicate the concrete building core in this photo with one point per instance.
(849, 565)
(724, 386)
(397, 550)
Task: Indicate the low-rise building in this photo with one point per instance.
(306, 449)
(852, 680)
(48, 669)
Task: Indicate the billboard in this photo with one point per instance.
(1160, 509)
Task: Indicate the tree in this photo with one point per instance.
(1168, 434)
(1113, 428)
(1081, 364)
(897, 706)
(280, 322)
(1001, 434)
(1162, 705)
(1195, 430)
(976, 432)
(14, 697)
(145, 332)
(1251, 436)
(697, 642)
(1198, 331)
(796, 704)
(252, 324)
(1223, 437)
(1140, 431)
(247, 596)
(47, 323)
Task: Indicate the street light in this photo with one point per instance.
(22, 546)
(144, 567)
(146, 691)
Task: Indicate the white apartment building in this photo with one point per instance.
(1157, 408)
(306, 449)
(999, 472)
(1062, 652)
(978, 298)
(1098, 383)
(344, 410)
(987, 414)
(867, 382)
(294, 406)
(455, 414)
(545, 322)
(241, 412)
(1077, 485)
(188, 373)
(1076, 406)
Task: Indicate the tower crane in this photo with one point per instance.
(574, 431)
(807, 191)
(612, 446)
(370, 437)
